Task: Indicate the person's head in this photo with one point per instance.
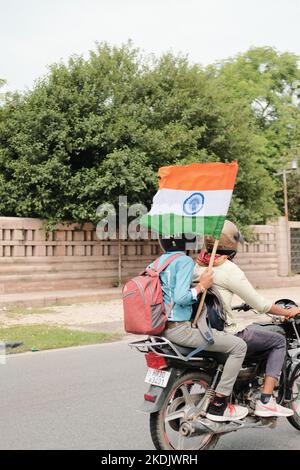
(178, 242)
(229, 240)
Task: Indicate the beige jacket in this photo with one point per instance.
(229, 279)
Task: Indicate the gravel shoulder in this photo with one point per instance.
(105, 316)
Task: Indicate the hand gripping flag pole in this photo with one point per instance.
(211, 262)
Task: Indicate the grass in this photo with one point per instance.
(40, 337)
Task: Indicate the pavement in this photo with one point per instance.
(44, 298)
(107, 316)
(88, 398)
(277, 293)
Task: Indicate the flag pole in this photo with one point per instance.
(211, 262)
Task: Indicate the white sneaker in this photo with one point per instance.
(231, 413)
(271, 409)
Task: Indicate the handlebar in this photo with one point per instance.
(246, 307)
(297, 317)
(240, 307)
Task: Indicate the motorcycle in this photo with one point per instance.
(182, 386)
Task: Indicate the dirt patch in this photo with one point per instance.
(86, 314)
(106, 316)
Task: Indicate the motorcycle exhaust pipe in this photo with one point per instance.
(200, 427)
(204, 426)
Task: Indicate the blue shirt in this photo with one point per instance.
(176, 282)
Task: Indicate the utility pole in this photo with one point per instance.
(286, 208)
(286, 215)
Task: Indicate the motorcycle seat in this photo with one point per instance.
(221, 358)
(217, 356)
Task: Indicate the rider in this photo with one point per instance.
(177, 292)
(229, 279)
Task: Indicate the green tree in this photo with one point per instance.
(268, 83)
(94, 129)
(293, 182)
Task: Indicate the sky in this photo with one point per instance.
(36, 33)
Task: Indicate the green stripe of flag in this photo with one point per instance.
(172, 224)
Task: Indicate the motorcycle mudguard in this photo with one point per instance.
(159, 393)
(294, 370)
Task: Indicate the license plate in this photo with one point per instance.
(157, 377)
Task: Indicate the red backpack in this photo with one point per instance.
(144, 308)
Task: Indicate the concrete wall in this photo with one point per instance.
(72, 257)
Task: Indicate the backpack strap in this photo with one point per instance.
(155, 264)
(206, 332)
(166, 263)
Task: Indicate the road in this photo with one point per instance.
(87, 398)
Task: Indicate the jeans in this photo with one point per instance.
(185, 335)
(259, 338)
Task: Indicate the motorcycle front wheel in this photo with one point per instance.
(295, 398)
(187, 391)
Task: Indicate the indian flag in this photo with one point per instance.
(192, 199)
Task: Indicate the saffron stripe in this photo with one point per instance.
(198, 176)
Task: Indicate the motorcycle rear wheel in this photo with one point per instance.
(186, 392)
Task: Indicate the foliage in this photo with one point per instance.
(94, 129)
(268, 83)
(293, 182)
